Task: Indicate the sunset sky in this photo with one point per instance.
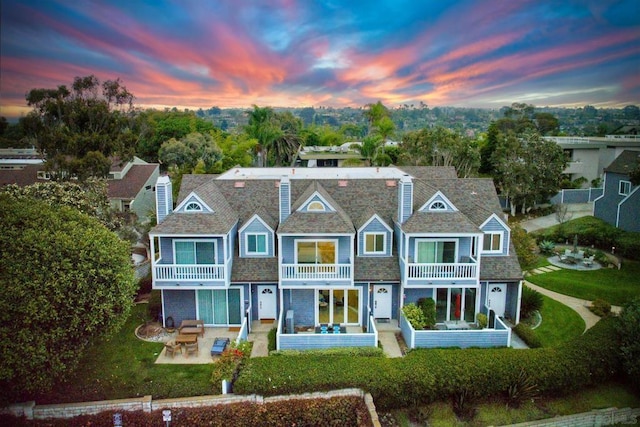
(298, 53)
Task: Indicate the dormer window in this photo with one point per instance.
(438, 206)
(193, 207)
(493, 242)
(315, 207)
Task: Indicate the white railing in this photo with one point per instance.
(315, 271)
(442, 271)
(189, 272)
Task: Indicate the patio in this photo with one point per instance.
(204, 347)
(580, 266)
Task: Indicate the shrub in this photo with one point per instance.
(547, 247)
(463, 405)
(522, 389)
(428, 307)
(528, 335)
(629, 335)
(482, 320)
(335, 351)
(531, 301)
(271, 339)
(415, 316)
(229, 363)
(600, 307)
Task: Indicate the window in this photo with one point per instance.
(374, 243)
(625, 188)
(193, 207)
(456, 304)
(434, 251)
(190, 252)
(492, 242)
(315, 206)
(438, 206)
(316, 252)
(256, 243)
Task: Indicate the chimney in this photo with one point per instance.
(405, 199)
(285, 198)
(164, 198)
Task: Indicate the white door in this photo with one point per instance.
(497, 298)
(266, 302)
(382, 301)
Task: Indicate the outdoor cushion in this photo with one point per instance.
(219, 344)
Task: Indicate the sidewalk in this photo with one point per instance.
(573, 211)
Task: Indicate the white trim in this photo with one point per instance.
(419, 240)
(226, 289)
(331, 304)
(246, 243)
(251, 220)
(335, 241)
(493, 215)
(432, 199)
(492, 250)
(306, 203)
(374, 252)
(627, 197)
(188, 200)
(370, 220)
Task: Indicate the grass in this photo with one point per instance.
(497, 413)
(610, 284)
(559, 323)
(123, 367)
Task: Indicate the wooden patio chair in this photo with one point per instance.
(191, 348)
(172, 348)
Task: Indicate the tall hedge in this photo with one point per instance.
(428, 375)
(66, 280)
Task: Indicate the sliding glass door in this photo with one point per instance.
(219, 306)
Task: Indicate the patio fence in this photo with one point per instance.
(31, 411)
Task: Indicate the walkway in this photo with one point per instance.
(574, 211)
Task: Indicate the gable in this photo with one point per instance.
(193, 204)
(256, 238)
(438, 203)
(316, 203)
(495, 226)
(378, 235)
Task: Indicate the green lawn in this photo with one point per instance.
(559, 323)
(615, 286)
(123, 367)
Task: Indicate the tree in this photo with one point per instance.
(634, 175)
(524, 245)
(374, 113)
(528, 168)
(69, 124)
(278, 135)
(191, 149)
(546, 123)
(67, 282)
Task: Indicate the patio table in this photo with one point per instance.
(456, 324)
(186, 339)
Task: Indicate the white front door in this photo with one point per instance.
(497, 298)
(266, 302)
(382, 301)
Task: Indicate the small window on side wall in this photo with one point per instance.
(374, 243)
(625, 188)
(492, 242)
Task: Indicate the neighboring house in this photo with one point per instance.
(130, 184)
(332, 156)
(619, 205)
(588, 156)
(341, 246)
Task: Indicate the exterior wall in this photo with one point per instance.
(629, 215)
(586, 163)
(414, 294)
(144, 203)
(396, 297)
(254, 298)
(318, 341)
(511, 301)
(463, 245)
(405, 199)
(302, 302)
(375, 226)
(316, 198)
(194, 199)
(287, 251)
(166, 248)
(180, 305)
(606, 207)
(494, 225)
(256, 227)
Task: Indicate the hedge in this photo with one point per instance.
(429, 375)
(528, 335)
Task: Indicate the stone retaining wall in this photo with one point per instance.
(67, 410)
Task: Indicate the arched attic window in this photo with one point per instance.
(315, 207)
(438, 206)
(193, 207)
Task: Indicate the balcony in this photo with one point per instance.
(315, 272)
(447, 271)
(189, 273)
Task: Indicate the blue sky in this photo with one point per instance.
(192, 54)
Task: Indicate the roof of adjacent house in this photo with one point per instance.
(26, 176)
(624, 163)
(130, 185)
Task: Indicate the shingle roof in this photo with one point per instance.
(430, 172)
(501, 267)
(439, 222)
(254, 269)
(626, 162)
(130, 185)
(368, 269)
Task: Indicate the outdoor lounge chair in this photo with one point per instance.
(588, 262)
(172, 348)
(219, 345)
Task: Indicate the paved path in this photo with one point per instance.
(578, 305)
(573, 211)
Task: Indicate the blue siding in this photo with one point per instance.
(164, 200)
(405, 205)
(166, 248)
(256, 227)
(287, 250)
(494, 225)
(413, 294)
(629, 218)
(316, 198)
(375, 226)
(205, 208)
(180, 305)
(303, 305)
(463, 245)
(606, 208)
(318, 341)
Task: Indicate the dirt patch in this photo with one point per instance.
(152, 331)
(403, 345)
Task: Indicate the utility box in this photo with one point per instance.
(288, 323)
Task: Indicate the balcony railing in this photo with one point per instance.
(442, 271)
(315, 271)
(187, 273)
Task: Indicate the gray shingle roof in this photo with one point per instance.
(368, 269)
(624, 163)
(315, 222)
(439, 222)
(501, 267)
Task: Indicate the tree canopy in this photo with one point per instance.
(79, 129)
(67, 281)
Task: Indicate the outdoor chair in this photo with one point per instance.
(588, 262)
(191, 348)
(219, 345)
(172, 348)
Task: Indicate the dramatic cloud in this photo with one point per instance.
(194, 54)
